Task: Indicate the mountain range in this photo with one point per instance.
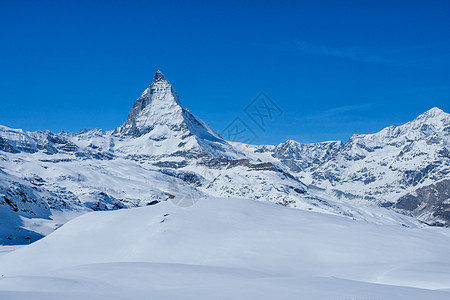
(163, 153)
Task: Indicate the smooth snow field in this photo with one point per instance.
(228, 249)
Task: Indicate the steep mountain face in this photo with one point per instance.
(157, 107)
(158, 123)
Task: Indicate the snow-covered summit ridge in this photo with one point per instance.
(431, 124)
(433, 113)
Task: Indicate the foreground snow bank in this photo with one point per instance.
(228, 249)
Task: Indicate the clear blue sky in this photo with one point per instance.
(334, 67)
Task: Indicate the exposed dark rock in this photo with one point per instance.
(434, 198)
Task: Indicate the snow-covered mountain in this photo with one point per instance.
(397, 161)
(162, 152)
(165, 153)
(160, 127)
(405, 167)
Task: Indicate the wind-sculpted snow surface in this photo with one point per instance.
(228, 249)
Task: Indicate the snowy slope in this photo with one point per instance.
(228, 249)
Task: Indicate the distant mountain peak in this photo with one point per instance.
(434, 117)
(433, 112)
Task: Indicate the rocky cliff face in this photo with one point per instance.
(429, 202)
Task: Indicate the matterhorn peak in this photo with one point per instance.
(158, 115)
(159, 76)
(159, 80)
(157, 106)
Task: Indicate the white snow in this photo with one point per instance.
(228, 249)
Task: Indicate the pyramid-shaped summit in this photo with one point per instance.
(157, 107)
(158, 116)
(159, 76)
